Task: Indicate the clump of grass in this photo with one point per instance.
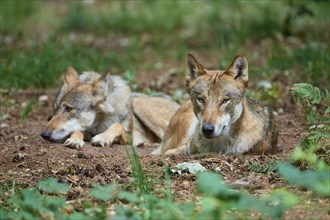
(155, 30)
(126, 16)
(309, 63)
(140, 179)
(27, 109)
(41, 67)
(13, 14)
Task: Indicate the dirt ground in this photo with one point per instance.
(26, 158)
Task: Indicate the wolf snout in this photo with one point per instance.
(46, 135)
(208, 129)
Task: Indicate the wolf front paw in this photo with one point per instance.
(74, 143)
(175, 151)
(101, 141)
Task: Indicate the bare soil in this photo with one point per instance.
(26, 158)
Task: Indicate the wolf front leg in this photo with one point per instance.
(115, 133)
(76, 140)
(182, 150)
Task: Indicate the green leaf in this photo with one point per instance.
(307, 91)
(31, 197)
(274, 204)
(78, 215)
(123, 213)
(212, 184)
(316, 180)
(130, 197)
(328, 110)
(28, 108)
(263, 168)
(54, 203)
(51, 185)
(102, 192)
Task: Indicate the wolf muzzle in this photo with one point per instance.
(46, 135)
(208, 129)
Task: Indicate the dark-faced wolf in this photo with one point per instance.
(219, 117)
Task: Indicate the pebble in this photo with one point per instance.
(4, 125)
(43, 100)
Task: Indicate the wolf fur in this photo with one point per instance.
(102, 109)
(219, 117)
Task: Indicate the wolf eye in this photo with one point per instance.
(225, 100)
(68, 108)
(200, 100)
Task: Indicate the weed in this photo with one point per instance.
(309, 63)
(148, 32)
(316, 180)
(143, 17)
(139, 178)
(306, 152)
(10, 24)
(221, 198)
(263, 168)
(310, 96)
(28, 108)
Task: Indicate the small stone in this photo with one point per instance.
(4, 125)
(264, 84)
(43, 100)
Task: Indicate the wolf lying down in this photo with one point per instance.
(103, 109)
(219, 117)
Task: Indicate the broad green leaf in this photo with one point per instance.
(212, 184)
(103, 192)
(328, 110)
(51, 185)
(77, 215)
(33, 199)
(55, 203)
(316, 180)
(131, 197)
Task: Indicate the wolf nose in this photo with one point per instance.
(46, 135)
(207, 129)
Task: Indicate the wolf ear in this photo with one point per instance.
(71, 76)
(70, 79)
(102, 84)
(239, 69)
(194, 68)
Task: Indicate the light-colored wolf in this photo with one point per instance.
(103, 109)
(219, 117)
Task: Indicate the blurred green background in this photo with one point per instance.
(39, 39)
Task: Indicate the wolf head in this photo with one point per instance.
(76, 104)
(217, 96)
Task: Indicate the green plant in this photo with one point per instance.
(316, 180)
(317, 110)
(263, 168)
(27, 109)
(117, 16)
(30, 204)
(310, 96)
(10, 24)
(139, 178)
(309, 152)
(220, 198)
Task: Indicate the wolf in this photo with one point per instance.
(219, 117)
(103, 109)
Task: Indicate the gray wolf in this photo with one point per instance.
(102, 109)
